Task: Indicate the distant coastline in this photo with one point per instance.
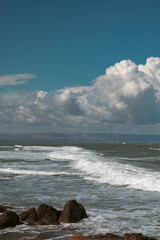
(79, 138)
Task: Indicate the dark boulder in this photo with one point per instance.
(4, 208)
(58, 214)
(29, 216)
(9, 219)
(47, 215)
(73, 212)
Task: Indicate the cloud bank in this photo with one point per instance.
(125, 99)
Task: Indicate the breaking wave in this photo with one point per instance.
(92, 166)
(106, 170)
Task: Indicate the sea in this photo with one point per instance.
(117, 183)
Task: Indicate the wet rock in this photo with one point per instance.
(137, 236)
(73, 212)
(79, 237)
(9, 219)
(29, 216)
(58, 214)
(4, 208)
(110, 236)
(47, 215)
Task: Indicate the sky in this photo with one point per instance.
(80, 66)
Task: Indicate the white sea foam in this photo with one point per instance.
(39, 152)
(104, 170)
(119, 174)
(31, 172)
(51, 148)
(98, 168)
(66, 153)
(109, 209)
(155, 149)
(18, 146)
(38, 148)
(25, 153)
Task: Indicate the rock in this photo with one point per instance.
(4, 208)
(137, 236)
(9, 219)
(47, 215)
(79, 237)
(73, 212)
(110, 236)
(58, 214)
(29, 216)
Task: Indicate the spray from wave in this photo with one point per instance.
(106, 170)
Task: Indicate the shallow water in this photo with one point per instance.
(118, 184)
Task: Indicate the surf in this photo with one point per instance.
(105, 170)
(31, 172)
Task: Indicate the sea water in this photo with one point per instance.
(118, 184)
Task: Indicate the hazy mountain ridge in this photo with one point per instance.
(78, 138)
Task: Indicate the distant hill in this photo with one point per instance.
(79, 138)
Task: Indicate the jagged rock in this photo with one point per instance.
(29, 216)
(9, 219)
(47, 215)
(73, 212)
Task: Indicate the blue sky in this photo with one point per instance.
(71, 42)
(62, 44)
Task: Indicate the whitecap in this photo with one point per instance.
(32, 172)
(106, 170)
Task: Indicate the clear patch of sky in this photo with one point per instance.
(71, 42)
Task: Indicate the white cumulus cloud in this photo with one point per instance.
(125, 99)
(127, 92)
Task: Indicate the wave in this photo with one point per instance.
(32, 172)
(123, 176)
(67, 153)
(36, 153)
(119, 174)
(47, 148)
(93, 166)
(18, 146)
(106, 170)
(155, 149)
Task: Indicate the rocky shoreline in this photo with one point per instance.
(72, 212)
(111, 236)
(45, 215)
